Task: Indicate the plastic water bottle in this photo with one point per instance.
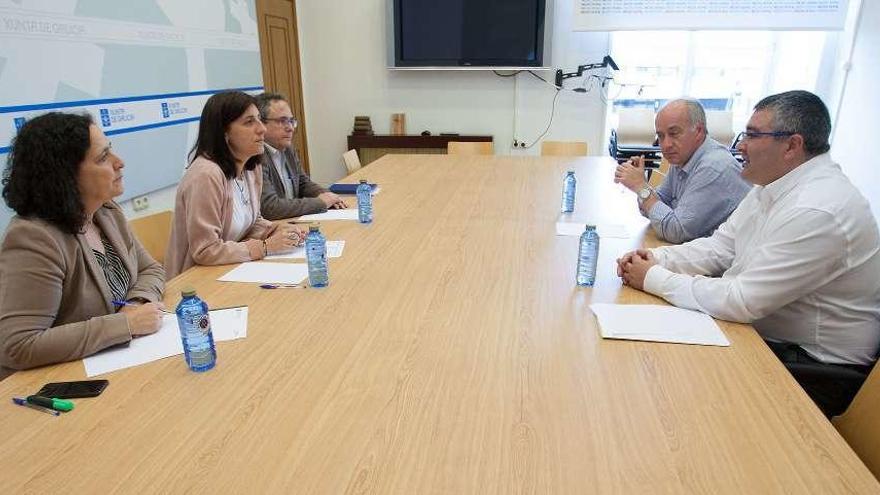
(316, 256)
(365, 202)
(569, 186)
(588, 255)
(195, 331)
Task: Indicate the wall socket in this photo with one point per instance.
(141, 203)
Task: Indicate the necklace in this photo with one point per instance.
(242, 185)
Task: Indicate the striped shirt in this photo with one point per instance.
(118, 278)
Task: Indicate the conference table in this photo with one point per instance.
(451, 353)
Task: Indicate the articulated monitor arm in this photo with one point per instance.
(607, 61)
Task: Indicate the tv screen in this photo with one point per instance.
(490, 33)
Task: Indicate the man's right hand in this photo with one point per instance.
(628, 258)
(631, 174)
(331, 200)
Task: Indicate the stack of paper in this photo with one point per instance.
(267, 273)
(347, 214)
(658, 324)
(334, 250)
(226, 324)
(611, 230)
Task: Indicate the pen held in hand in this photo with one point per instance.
(126, 303)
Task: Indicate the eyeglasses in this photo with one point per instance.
(747, 135)
(284, 121)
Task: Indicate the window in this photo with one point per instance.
(726, 70)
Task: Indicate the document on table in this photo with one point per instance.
(334, 250)
(657, 323)
(347, 214)
(262, 272)
(226, 324)
(611, 230)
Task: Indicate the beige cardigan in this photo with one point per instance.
(203, 217)
(55, 304)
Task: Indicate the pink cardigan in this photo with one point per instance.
(203, 216)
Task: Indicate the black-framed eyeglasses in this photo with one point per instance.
(747, 135)
(283, 121)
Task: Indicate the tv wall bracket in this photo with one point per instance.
(607, 61)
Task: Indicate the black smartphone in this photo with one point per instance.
(73, 390)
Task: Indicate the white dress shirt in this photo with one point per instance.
(280, 164)
(799, 259)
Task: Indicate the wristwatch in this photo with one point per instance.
(644, 193)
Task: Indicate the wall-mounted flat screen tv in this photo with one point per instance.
(469, 33)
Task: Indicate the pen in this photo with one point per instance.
(22, 402)
(283, 286)
(126, 303)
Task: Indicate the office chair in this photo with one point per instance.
(154, 232)
(563, 148)
(860, 424)
(470, 148)
(352, 161)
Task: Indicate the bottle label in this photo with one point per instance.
(198, 322)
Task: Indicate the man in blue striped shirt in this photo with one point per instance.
(703, 185)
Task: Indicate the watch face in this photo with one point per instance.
(644, 193)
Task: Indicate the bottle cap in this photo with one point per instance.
(314, 227)
(363, 181)
(188, 291)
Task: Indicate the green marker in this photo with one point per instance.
(56, 404)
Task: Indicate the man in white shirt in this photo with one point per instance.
(799, 258)
(287, 189)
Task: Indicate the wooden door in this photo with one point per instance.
(279, 53)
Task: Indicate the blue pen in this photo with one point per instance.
(23, 402)
(126, 303)
(283, 286)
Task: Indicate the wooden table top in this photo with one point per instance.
(451, 353)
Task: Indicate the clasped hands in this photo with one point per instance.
(284, 238)
(631, 174)
(633, 267)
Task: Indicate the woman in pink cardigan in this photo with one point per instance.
(217, 211)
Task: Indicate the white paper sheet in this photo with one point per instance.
(610, 230)
(226, 324)
(658, 324)
(267, 273)
(346, 214)
(334, 250)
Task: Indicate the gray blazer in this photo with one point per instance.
(55, 304)
(273, 204)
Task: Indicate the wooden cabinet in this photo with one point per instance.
(372, 147)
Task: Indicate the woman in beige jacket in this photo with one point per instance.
(68, 254)
(217, 210)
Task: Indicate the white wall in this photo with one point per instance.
(343, 51)
(343, 48)
(858, 127)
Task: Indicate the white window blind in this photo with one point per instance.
(634, 15)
